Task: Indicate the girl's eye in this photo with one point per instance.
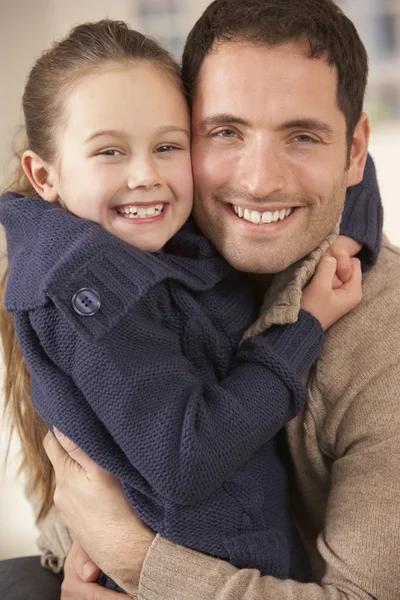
(303, 138)
(166, 148)
(109, 153)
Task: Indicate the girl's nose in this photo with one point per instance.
(144, 175)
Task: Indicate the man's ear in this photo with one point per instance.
(359, 150)
(39, 176)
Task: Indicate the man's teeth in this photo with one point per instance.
(140, 212)
(265, 217)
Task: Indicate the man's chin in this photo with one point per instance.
(248, 262)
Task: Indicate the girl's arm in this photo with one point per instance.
(362, 218)
(133, 401)
(140, 409)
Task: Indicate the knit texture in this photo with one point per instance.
(345, 446)
(153, 387)
(362, 217)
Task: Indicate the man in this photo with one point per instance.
(277, 89)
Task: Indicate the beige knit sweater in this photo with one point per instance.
(346, 449)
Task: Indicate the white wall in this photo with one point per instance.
(385, 149)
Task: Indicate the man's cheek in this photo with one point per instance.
(211, 169)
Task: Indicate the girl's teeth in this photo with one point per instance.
(256, 217)
(140, 212)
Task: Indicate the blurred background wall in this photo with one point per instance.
(27, 28)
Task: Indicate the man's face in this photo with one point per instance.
(269, 154)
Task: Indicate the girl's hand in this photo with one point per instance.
(327, 303)
(343, 249)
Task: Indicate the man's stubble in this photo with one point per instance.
(265, 254)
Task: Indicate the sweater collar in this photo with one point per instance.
(281, 303)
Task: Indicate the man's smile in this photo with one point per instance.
(257, 217)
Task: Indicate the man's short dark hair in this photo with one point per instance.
(329, 34)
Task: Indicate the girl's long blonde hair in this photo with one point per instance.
(87, 49)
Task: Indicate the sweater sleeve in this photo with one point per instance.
(140, 408)
(362, 218)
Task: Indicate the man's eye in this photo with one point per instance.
(225, 133)
(305, 139)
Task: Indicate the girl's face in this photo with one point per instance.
(124, 155)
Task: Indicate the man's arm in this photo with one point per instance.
(109, 531)
(124, 546)
(172, 572)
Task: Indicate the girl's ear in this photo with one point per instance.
(39, 176)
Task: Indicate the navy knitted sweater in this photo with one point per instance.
(153, 385)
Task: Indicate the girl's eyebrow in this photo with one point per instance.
(118, 133)
(172, 129)
(110, 132)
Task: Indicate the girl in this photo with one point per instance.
(131, 338)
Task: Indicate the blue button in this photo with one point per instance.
(86, 302)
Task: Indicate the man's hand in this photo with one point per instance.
(342, 250)
(94, 508)
(80, 574)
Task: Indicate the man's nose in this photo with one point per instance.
(144, 174)
(261, 170)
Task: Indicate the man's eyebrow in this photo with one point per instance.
(221, 119)
(310, 124)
